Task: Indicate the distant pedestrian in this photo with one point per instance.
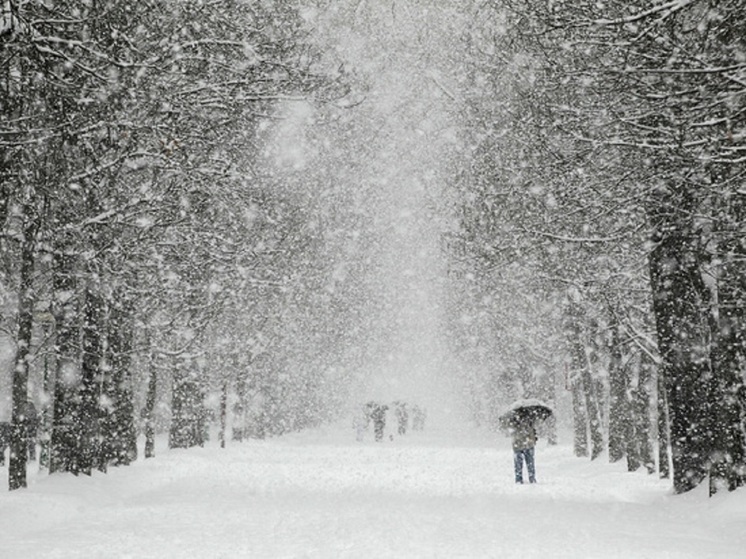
(523, 433)
(402, 417)
(379, 420)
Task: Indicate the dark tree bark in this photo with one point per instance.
(149, 409)
(239, 408)
(19, 421)
(119, 436)
(63, 444)
(45, 425)
(632, 442)
(642, 413)
(187, 410)
(126, 448)
(664, 439)
(680, 306)
(88, 427)
(729, 354)
(618, 396)
(180, 433)
(223, 413)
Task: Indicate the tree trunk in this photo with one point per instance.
(90, 415)
(729, 355)
(223, 413)
(632, 434)
(680, 302)
(46, 410)
(63, 444)
(118, 433)
(579, 419)
(584, 389)
(106, 396)
(664, 440)
(179, 433)
(618, 396)
(593, 413)
(551, 423)
(642, 415)
(577, 362)
(19, 421)
(149, 410)
(240, 407)
(187, 410)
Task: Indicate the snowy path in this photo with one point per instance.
(324, 496)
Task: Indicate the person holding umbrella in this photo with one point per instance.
(520, 419)
(523, 432)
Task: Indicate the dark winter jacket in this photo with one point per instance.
(524, 435)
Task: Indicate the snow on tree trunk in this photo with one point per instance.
(584, 389)
(593, 413)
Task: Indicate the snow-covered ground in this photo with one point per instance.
(321, 494)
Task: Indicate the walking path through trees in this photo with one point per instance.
(321, 494)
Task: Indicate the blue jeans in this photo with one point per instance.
(518, 457)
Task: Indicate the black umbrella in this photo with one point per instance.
(529, 409)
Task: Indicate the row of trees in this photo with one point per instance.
(595, 170)
(609, 154)
(143, 242)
